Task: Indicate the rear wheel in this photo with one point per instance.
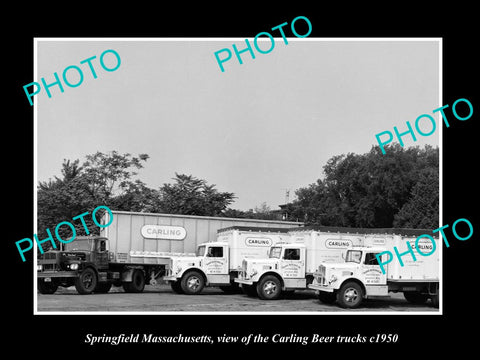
(350, 295)
(86, 282)
(137, 284)
(46, 288)
(192, 283)
(269, 288)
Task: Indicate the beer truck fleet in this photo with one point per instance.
(264, 258)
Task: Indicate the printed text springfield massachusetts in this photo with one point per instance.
(247, 339)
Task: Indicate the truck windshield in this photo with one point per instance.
(201, 251)
(275, 252)
(353, 256)
(79, 244)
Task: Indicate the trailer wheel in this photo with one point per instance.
(327, 297)
(415, 297)
(103, 288)
(192, 283)
(176, 287)
(137, 284)
(350, 295)
(269, 288)
(86, 282)
(46, 288)
(250, 290)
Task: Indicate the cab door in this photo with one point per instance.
(216, 260)
(372, 273)
(101, 254)
(292, 263)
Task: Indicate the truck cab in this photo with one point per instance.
(210, 267)
(283, 270)
(350, 282)
(83, 263)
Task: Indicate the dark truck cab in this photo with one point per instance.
(83, 263)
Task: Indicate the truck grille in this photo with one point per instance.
(320, 275)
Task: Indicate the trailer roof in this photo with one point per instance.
(257, 228)
(392, 231)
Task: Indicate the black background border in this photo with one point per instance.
(417, 333)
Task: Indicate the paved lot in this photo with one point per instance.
(161, 298)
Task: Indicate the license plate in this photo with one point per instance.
(47, 279)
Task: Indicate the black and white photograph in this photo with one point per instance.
(290, 179)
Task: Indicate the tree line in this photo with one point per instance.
(400, 189)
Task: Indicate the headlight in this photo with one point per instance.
(73, 266)
(179, 268)
(253, 273)
(39, 267)
(333, 278)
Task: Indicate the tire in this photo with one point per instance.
(103, 288)
(327, 297)
(46, 288)
(269, 288)
(249, 290)
(86, 282)
(192, 283)
(176, 287)
(415, 297)
(137, 284)
(350, 295)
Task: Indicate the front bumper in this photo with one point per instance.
(56, 274)
(243, 281)
(321, 288)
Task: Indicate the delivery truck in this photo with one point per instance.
(134, 249)
(291, 264)
(360, 275)
(217, 263)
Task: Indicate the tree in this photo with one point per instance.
(191, 196)
(365, 190)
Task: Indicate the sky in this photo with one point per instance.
(256, 129)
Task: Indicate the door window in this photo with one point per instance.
(216, 251)
(292, 254)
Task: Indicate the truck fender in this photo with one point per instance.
(274, 274)
(180, 276)
(355, 280)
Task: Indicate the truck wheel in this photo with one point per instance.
(137, 284)
(269, 288)
(350, 295)
(192, 283)
(415, 297)
(327, 297)
(250, 290)
(176, 287)
(46, 288)
(103, 288)
(86, 282)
